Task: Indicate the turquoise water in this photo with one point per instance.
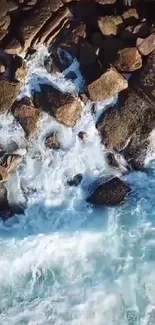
(65, 262)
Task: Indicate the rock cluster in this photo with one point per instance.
(112, 40)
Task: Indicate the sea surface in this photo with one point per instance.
(65, 262)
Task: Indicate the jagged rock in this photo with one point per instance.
(111, 160)
(63, 106)
(109, 25)
(8, 164)
(75, 181)
(130, 16)
(108, 85)
(110, 193)
(128, 60)
(5, 209)
(147, 45)
(127, 126)
(145, 78)
(52, 141)
(27, 116)
(8, 93)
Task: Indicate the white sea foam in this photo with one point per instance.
(65, 262)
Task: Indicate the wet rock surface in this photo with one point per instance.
(110, 193)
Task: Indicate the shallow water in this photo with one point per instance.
(65, 262)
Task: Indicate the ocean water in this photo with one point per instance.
(65, 262)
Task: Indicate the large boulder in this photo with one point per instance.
(126, 127)
(63, 106)
(8, 93)
(108, 85)
(27, 116)
(110, 193)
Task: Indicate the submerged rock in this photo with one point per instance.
(83, 136)
(108, 85)
(52, 141)
(110, 193)
(63, 106)
(75, 181)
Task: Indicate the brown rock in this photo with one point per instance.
(8, 93)
(126, 126)
(108, 85)
(147, 45)
(8, 164)
(110, 193)
(128, 60)
(109, 25)
(52, 141)
(63, 106)
(27, 116)
(130, 16)
(13, 47)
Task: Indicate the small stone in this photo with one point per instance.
(128, 60)
(52, 141)
(108, 85)
(130, 16)
(75, 181)
(110, 193)
(83, 136)
(147, 45)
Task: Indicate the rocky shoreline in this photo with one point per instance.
(114, 43)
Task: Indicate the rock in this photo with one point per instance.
(8, 164)
(89, 66)
(128, 60)
(147, 45)
(111, 160)
(27, 116)
(126, 126)
(108, 85)
(145, 78)
(8, 93)
(5, 209)
(130, 16)
(108, 51)
(110, 193)
(133, 32)
(106, 2)
(52, 141)
(75, 181)
(63, 106)
(83, 136)
(109, 25)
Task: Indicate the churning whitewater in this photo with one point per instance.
(65, 262)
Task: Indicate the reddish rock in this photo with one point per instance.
(147, 45)
(108, 85)
(110, 193)
(128, 60)
(63, 106)
(27, 116)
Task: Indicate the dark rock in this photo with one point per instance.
(52, 141)
(110, 193)
(108, 51)
(63, 106)
(111, 160)
(5, 209)
(75, 181)
(27, 116)
(83, 136)
(130, 16)
(133, 32)
(128, 60)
